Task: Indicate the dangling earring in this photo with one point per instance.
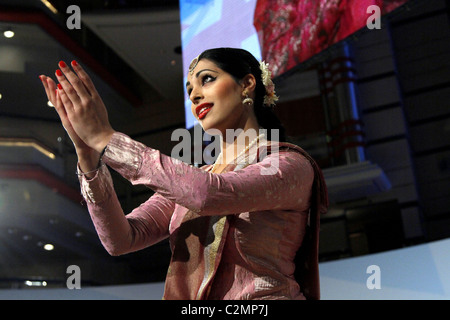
(247, 101)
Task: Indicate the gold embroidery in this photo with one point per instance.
(210, 253)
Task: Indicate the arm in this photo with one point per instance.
(214, 194)
(119, 233)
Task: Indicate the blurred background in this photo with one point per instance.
(370, 104)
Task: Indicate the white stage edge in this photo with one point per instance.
(420, 272)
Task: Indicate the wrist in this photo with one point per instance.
(88, 161)
(87, 155)
(103, 142)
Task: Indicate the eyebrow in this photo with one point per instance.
(198, 73)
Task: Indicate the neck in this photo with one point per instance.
(236, 142)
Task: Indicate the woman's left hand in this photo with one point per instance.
(83, 105)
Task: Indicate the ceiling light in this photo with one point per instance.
(49, 247)
(24, 142)
(49, 6)
(33, 283)
(8, 33)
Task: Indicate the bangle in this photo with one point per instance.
(80, 173)
(100, 163)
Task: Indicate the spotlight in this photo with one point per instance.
(8, 33)
(49, 247)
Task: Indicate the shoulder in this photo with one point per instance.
(287, 157)
(285, 150)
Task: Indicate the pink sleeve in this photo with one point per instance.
(206, 193)
(120, 233)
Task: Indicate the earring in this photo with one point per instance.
(247, 101)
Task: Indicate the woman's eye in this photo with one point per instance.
(207, 78)
(204, 80)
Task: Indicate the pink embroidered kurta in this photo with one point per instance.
(266, 217)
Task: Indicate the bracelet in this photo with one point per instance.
(100, 163)
(80, 174)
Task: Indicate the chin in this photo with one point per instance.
(210, 129)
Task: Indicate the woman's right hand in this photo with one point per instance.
(88, 157)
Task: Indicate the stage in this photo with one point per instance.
(419, 272)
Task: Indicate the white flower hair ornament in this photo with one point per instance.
(270, 98)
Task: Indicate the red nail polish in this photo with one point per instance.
(58, 73)
(74, 63)
(62, 64)
(59, 86)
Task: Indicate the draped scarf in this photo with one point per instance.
(198, 245)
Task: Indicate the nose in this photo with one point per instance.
(195, 96)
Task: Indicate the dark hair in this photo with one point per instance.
(239, 63)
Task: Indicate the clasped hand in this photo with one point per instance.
(80, 108)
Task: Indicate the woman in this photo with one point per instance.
(234, 232)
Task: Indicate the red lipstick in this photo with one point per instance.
(203, 109)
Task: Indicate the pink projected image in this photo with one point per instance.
(291, 31)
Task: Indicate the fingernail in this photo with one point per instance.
(59, 86)
(42, 78)
(74, 63)
(62, 64)
(58, 73)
